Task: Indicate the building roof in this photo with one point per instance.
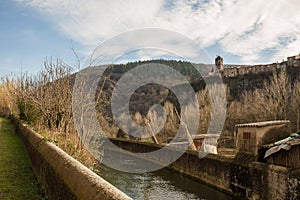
(294, 57)
(211, 135)
(262, 124)
(286, 143)
(293, 139)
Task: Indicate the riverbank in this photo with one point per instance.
(17, 180)
(241, 176)
(161, 184)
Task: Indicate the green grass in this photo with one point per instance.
(17, 180)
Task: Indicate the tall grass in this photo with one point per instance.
(44, 101)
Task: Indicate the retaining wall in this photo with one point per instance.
(62, 176)
(241, 176)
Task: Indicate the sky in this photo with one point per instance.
(241, 31)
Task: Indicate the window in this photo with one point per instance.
(246, 135)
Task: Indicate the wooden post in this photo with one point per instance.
(152, 134)
(190, 138)
(298, 120)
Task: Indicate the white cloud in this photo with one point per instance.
(241, 27)
(148, 42)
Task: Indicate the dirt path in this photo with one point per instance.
(17, 180)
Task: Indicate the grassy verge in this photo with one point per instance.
(17, 180)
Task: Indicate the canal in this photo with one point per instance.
(161, 184)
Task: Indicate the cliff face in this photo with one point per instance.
(248, 82)
(255, 80)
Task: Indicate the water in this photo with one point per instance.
(162, 184)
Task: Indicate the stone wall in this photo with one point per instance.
(62, 176)
(241, 176)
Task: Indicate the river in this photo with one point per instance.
(162, 184)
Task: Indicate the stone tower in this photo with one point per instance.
(219, 63)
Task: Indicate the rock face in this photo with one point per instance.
(240, 78)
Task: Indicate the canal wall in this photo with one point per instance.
(61, 176)
(241, 176)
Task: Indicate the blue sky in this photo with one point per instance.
(242, 31)
(27, 39)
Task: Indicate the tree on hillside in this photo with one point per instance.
(277, 100)
(273, 100)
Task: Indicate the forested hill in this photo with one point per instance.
(237, 84)
(185, 68)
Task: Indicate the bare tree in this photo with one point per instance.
(275, 101)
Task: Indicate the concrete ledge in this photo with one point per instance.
(61, 175)
(240, 176)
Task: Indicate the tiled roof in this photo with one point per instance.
(261, 124)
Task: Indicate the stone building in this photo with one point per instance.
(249, 136)
(219, 63)
(294, 61)
(236, 70)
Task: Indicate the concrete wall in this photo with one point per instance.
(62, 176)
(246, 144)
(240, 176)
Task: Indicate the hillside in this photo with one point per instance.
(146, 96)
